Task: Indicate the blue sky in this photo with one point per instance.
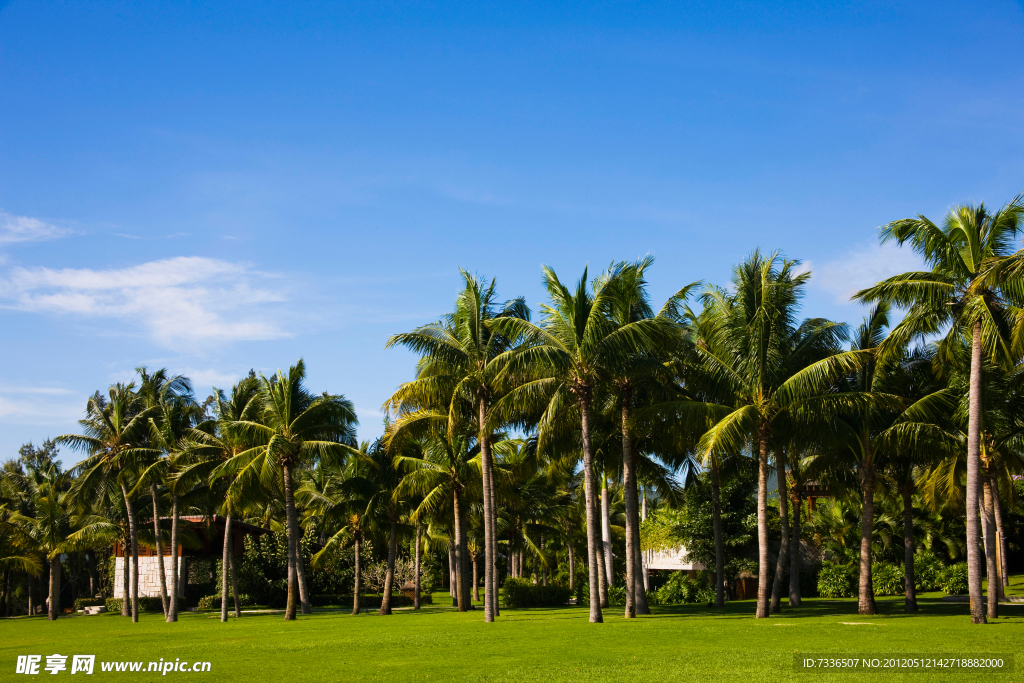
(213, 187)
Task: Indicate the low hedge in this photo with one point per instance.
(145, 605)
(523, 593)
(88, 602)
(213, 601)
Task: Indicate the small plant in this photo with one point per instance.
(887, 578)
(927, 569)
(953, 580)
(834, 581)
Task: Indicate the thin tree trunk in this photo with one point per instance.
(602, 581)
(161, 573)
(225, 568)
(762, 523)
(495, 574)
(30, 587)
(572, 557)
(358, 587)
(592, 543)
(992, 568)
(91, 563)
(234, 586)
(54, 610)
(909, 592)
(453, 573)
(476, 577)
(866, 592)
(716, 521)
(416, 572)
(292, 524)
(172, 613)
(629, 498)
(126, 570)
(486, 471)
(973, 465)
(783, 558)
(606, 531)
(460, 592)
(997, 505)
(135, 552)
(389, 578)
(794, 550)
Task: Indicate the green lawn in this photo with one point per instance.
(675, 643)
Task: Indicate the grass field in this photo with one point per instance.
(437, 644)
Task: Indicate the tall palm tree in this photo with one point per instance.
(966, 297)
(52, 525)
(568, 359)
(296, 428)
(116, 427)
(218, 443)
(758, 370)
(461, 357)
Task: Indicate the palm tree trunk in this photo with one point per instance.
(234, 586)
(794, 549)
(54, 610)
(358, 587)
(161, 573)
(416, 572)
(172, 613)
(453, 570)
(460, 593)
(225, 564)
(29, 590)
(135, 552)
(640, 589)
(606, 532)
(630, 498)
(783, 558)
(588, 478)
(866, 592)
(572, 557)
(762, 523)
(389, 578)
(486, 472)
(716, 522)
(476, 577)
(495, 574)
(126, 600)
(91, 564)
(1003, 575)
(292, 529)
(973, 465)
(992, 568)
(602, 581)
(910, 595)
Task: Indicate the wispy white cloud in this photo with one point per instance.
(15, 229)
(176, 300)
(863, 267)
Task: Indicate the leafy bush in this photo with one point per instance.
(616, 595)
(145, 605)
(523, 593)
(680, 589)
(213, 601)
(887, 578)
(89, 602)
(927, 569)
(834, 581)
(953, 579)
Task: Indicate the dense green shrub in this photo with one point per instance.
(88, 602)
(953, 579)
(927, 569)
(145, 605)
(681, 589)
(616, 595)
(523, 593)
(887, 578)
(834, 581)
(213, 601)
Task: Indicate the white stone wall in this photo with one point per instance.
(672, 558)
(149, 576)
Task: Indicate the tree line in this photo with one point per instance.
(518, 436)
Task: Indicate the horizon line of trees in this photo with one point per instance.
(518, 437)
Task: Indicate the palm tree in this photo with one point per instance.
(967, 297)
(759, 371)
(218, 443)
(115, 429)
(296, 428)
(52, 525)
(569, 358)
(461, 357)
